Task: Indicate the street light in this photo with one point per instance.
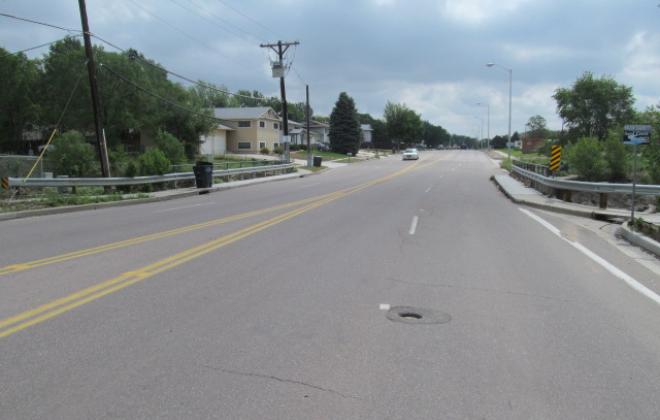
(508, 141)
(481, 129)
(487, 105)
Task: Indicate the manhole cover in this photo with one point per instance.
(411, 315)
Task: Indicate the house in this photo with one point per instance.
(319, 133)
(532, 144)
(366, 134)
(249, 129)
(297, 133)
(215, 142)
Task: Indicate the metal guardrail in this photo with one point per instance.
(138, 180)
(594, 187)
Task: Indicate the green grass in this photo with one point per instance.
(302, 154)
(53, 199)
(528, 157)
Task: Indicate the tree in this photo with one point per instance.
(72, 155)
(18, 99)
(379, 135)
(498, 142)
(403, 124)
(434, 135)
(344, 126)
(594, 105)
(536, 127)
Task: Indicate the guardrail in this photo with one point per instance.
(563, 188)
(138, 180)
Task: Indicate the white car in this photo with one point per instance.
(410, 154)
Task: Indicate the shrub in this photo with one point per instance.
(303, 147)
(278, 150)
(171, 147)
(72, 155)
(294, 147)
(264, 151)
(153, 162)
(615, 158)
(586, 158)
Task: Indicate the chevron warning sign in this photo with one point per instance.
(555, 158)
(5, 183)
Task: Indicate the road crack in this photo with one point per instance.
(283, 380)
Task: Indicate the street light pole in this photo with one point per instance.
(487, 105)
(510, 71)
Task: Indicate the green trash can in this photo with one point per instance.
(317, 161)
(203, 174)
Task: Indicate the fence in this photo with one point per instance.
(19, 166)
(16, 182)
(563, 188)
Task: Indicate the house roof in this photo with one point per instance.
(224, 127)
(366, 127)
(246, 113)
(316, 124)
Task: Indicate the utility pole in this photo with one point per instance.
(309, 133)
(280, 49)
(96, 106)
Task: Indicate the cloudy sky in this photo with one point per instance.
(429, 54)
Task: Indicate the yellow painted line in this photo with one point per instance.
(15, 268)
(67, 303)
(59, 306)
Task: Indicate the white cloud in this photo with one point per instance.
(478, 11)
(533, 53)
(640, 67)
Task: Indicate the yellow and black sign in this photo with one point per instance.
(555, 158)
(5, 183)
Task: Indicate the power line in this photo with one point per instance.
(180, 76)
(250, 18)
(40, 23)
(186, 34)
(222, 21)
(42, 45)
(155, 95)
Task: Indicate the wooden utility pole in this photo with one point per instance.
(96, 105)
(280, 49)
(309, 133)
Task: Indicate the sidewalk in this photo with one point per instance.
(521, 194)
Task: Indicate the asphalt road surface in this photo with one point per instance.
(271, 302)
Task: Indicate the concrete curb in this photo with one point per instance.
(130, 202)
(592, 214)
(640, 240)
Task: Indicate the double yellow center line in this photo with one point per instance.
(59, 306)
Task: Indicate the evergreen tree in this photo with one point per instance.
(344, 126)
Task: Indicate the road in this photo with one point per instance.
(270, 302)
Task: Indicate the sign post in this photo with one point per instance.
(635, 134)
(555, 159)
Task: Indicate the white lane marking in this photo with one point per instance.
(429, 189)
(630, 281)
(185, 207)
(310, 185)
(413, 225)
(384, 306)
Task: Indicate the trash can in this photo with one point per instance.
(317, 161)
(203, 174)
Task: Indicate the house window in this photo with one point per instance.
(276, 126)
(243, 124)
(262, 124)
(262, 145)
(244, 145)
(276, 145)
